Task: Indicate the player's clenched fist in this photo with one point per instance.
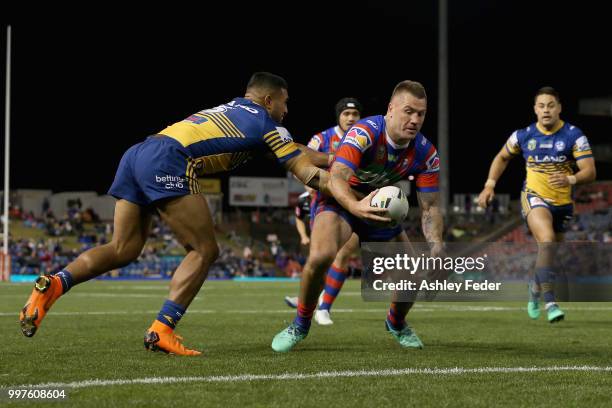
(485, 197)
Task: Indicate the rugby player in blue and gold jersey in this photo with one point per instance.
(553, 150)
(161, 175)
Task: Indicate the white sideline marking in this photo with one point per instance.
(134, 312)
(324, 374)
(117, 295)
(428, 308)
(139, 287)
(112, 312)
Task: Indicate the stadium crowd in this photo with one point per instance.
(52, 242)
(59, 240)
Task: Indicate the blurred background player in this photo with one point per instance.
(302, 214)
(552, 149)
(376, 152)
(348, 112)
(161, 175)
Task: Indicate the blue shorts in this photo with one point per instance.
(366, 232)
(157, 168)
(561, 214)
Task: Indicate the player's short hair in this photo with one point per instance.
(548, 90)
(267, 81)
(413, 87)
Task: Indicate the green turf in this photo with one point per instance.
(233, 323)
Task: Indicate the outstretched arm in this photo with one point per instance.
(308, 173)
(319, 159)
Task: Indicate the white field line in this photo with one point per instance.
(304, 376)
(134, 312)
(139, 287)
(335, 310)
(118, 295)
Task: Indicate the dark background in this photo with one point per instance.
(90, 82)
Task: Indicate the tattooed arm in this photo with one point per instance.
(431, 220)
(341, 191)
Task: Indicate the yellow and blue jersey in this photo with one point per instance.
(547, 152)
(222, 138)
(211, 141)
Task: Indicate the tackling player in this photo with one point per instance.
(552, 149)
(161, 175)
(376, 152)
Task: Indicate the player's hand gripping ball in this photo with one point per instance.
(395, 201)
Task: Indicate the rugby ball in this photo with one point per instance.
(394, 200)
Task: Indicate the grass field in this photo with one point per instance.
(475, 354)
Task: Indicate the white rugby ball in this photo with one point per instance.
(394, 200)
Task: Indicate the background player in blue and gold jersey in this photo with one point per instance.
(160, 175)
(553, 150)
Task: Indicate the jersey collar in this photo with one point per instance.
(339, 131)
(543, 131)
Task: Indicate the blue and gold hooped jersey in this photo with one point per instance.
(222, 138)
(547, 152)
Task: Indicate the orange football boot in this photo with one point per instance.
(160, 337)
(47, 289)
